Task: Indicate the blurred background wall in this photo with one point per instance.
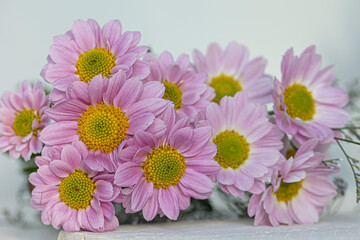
(267, 28)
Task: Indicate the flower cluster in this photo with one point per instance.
(153, 132)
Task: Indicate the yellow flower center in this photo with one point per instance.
(102, 127)
(290, 153)
(224, 86)
(172, 93)
(77, 190)
(299, 102)
(94, 62)
(287, 191)
(232, 149)
(164, 167)
(23, 123)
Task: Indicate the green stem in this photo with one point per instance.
(346, 128)
(352, 168)
(271, 113)
(346, 140)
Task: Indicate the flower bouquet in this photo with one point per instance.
(125, 134)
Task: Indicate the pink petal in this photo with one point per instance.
(83, 220)
(173, 74)
(254, 204)
(108, 210)
(60, 214)
(226, 176)
(47, 176)
(169, 203)
(35, 179)
(208, 167)
(112, 31)
(43, 194)
(111, 224)
(181, 139)
(151, 207)
(152, 105)
(123, 44)
(258, 187)
(58, 71)
(96, 219)
(72, 224)
(104, 190)
(331, 95)
(115, 84)
(35, 145)
(304, 211)
(141, 194)
(214, 56)
(83, 35)
(243, 181)
(70, 155)
(60, 168)
(196, 181)
(97, 87)
(79, 91)
(140, 122)
(64, 82)
(145, 139)
(129, 93)
(253, 169)
(46, 213)
(59, 133)
(200, 144)
(153, 89)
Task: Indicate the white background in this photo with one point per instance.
(267, 28)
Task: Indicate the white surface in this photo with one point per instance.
(337, 228)
(36, 233)
(268, 28)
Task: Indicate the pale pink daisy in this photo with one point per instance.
(230, 71)
(72, 196)
(306, 104)
(161, 174)
(247, 143)
(22, 118)
(291, 146)
(299, 190)
(104, 115)
(87, 50)
(185, 88)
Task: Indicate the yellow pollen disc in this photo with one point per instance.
(224, 86)
(102, 127)
(77, 190)
(23, 122)
(290, 153)
(164, 167)
(232, 149)
(172, 93)
(94, 62)
(299, 102)
(287, 191)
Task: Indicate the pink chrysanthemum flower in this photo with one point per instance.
(104, 115)
(185, 88)
(87, 50)
(306, 104)
(22, 118)
(247, 143)
(291, 146)
(72, 196)
(299, 191)
(161, 174)
(230, 71)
